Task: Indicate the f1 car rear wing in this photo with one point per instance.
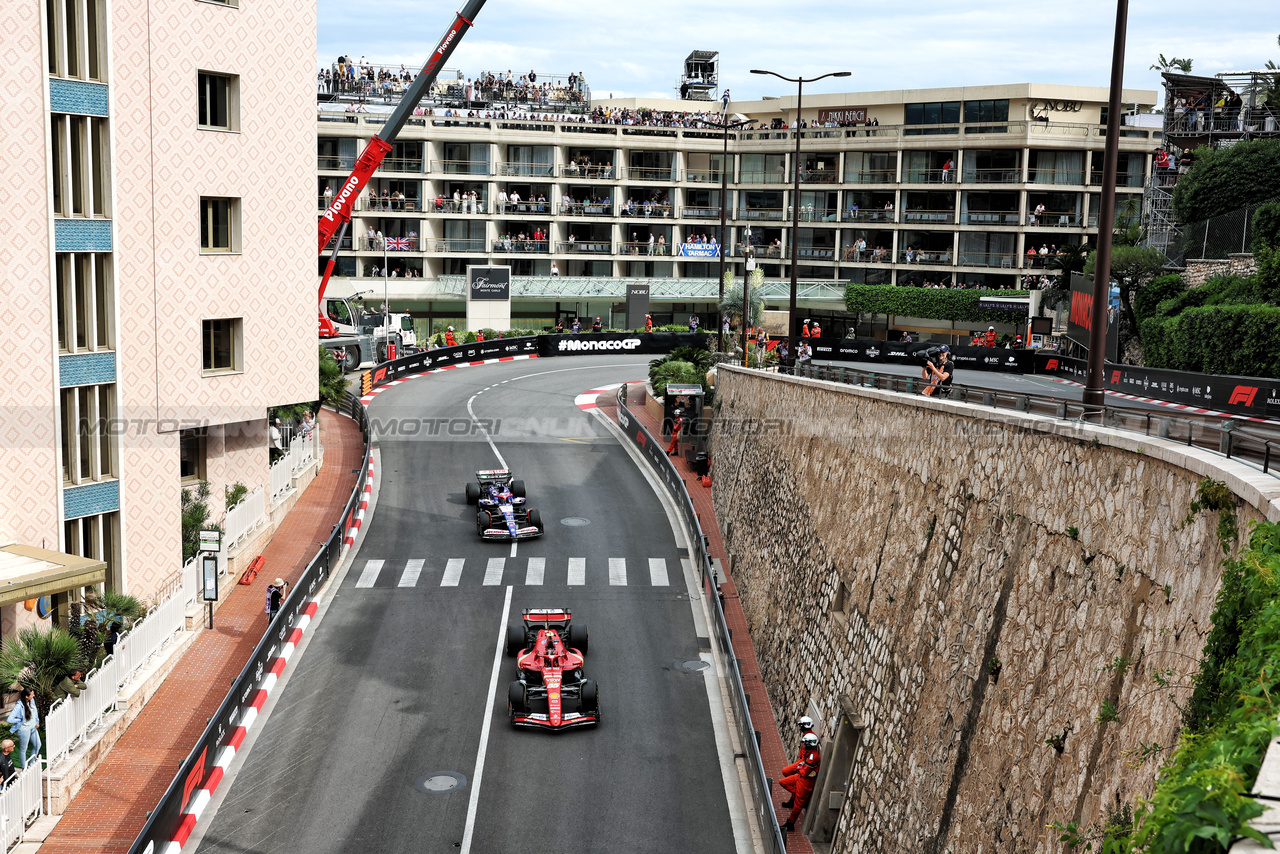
(547, 617)
(494, 476)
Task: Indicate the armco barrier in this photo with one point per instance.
(900, 353)
(203, 765)
(654, 452)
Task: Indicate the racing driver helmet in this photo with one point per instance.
(810, 740)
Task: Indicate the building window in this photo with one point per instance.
(223, 345)
(193, 454)
(219, 101)
(986, 111)
(87, 418)
(219, 225)
(935, 113)
(86, 307)
(76, 30)
(81, 163)
(95, 537)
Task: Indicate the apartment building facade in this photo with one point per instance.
(959, 185)
(154, 285)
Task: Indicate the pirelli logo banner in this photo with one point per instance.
(1255, 396)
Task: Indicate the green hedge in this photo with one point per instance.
(1215, 339)
(931, 303)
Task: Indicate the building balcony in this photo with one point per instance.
(650, 211)
(756, 214)
(1007, 260)
(819, 176)
(463, 167)
(924, 256)
(701, 213)
(645, 248)
(808, 213)
(707, 176)
(583, 209)
(752, 176)
(585, 172)
(524, 207)
(815, 253)
(588, 247)
(393, 244)
(874, 176)
(858, 215)
(1056, 219)
(457, 244)
(647, 173)
(537, 171)
(866, 256)
(462, 207)
(407, 165)
(1071, 177)
(948, 217)
(518, 246)
(991, 176)
(928, 176)
(741, 251)
(990, 218)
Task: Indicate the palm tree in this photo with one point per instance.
(1070, 259)
(1173, 64)
(38, 660)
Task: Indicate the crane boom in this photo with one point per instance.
(339, 212)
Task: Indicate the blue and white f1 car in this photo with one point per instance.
(503, 513)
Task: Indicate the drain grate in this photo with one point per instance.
(440, 782)
(692, 665)
(575, 521)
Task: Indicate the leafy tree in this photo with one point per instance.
(680, 373)
(333, 385)
(1173, 64)
(195, 516)
(731, 305)
(1228, 179)
(1132, 267)
(1266, 226)
(1162, 288)
(696, 356)
(1070, 259)
(38, 660)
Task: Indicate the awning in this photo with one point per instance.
(27, 572)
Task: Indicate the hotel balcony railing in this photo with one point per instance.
(527, 170)
(591, 247)
(389, 205)
(701, 213)
(990, 218)
(1123, 179)
(594, 171)
(585, 209)
(705, 176)
(462, 167)
(871, 215)
(819, 176)
(991, 176)
(1006, 260)
(815, 253)
(1056, 219)
(922, 256)
(768, 176)
(642, 212)
(448, 206)
(873, 176)
(929, 216)
(646, 173)
(808, 213)
(516, 244)
(396, 244)
(928, 176)
(524, 207)
(759, 214)
(741, 251)
(412, 165)
(1056, 176)
(866, 256)
(457, 244)
(643, 247)
(335, 163)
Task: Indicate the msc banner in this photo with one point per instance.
(619, 342)
(698, 250)
(1255, 396)
(898, 353)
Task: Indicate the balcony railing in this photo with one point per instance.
(387, 205)
(411, 165)
(585, 209)
(929, 216)
(924, 256)
(871, 215)
(759, 214)
(516, 244)
(816, 253)
(457, 244)
(928, 176)
(527, 170)
(595, 170)
(592, 247)
(524, 207)
(872, 176)
(741, 251)
(990, 218)
(991, 176)
(1056, 219)
(648, 211)
(809, 213)
(768, 176)
(1123, 179)
(462, 167)
(866, 256)
(700, 213)
(335, 163)
(461, 206)
(646, 173)
(989, 259)
(643, 247)
(706, 176)
(394, 244)
(819, 176)
(1056, 176)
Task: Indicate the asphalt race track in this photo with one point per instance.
(389, 700)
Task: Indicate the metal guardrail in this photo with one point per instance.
(1227, 439)
(761, 786)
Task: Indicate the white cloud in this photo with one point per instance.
(629, 47)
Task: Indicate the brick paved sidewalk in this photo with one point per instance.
(772, 750)
(109, 812)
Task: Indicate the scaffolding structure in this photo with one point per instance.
(701, 78)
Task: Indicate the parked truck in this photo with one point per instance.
(361, 336)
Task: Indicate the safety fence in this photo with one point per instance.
(301, 452)
(71, 719)
(167, 818)
(761, 786)
(21, 803)
(245, 517)
(1215, 238)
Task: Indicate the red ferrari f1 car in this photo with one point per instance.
(550, 691)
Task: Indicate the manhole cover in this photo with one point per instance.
(575, 521)
(440, 782)
(692, 665)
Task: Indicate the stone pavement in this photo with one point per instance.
(772, 749)
(109, 812)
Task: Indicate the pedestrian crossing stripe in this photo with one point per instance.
(494, 572)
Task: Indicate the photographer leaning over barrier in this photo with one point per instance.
(939, 370)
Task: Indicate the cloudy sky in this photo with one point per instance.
(637, 47)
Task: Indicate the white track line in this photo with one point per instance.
(658, 572)
(369, 577)
(577, 571)
(493, 572)
(537, 568)
(469, 830)
(618, 570)
(412, 570)
(452, 572)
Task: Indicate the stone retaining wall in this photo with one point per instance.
(1201, 270)
(888, 550)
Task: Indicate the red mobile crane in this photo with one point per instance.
(337, 217)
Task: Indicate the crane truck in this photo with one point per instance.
(343, 328)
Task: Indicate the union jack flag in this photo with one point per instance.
(397, 244)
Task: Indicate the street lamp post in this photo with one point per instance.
(725, 124)
(795, 193)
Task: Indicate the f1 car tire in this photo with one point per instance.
(516, 699)
(515, 637)
(517, 488)
(578, 638)
(535, 519)
(483, 520)
(589, 702)
(473, 493)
